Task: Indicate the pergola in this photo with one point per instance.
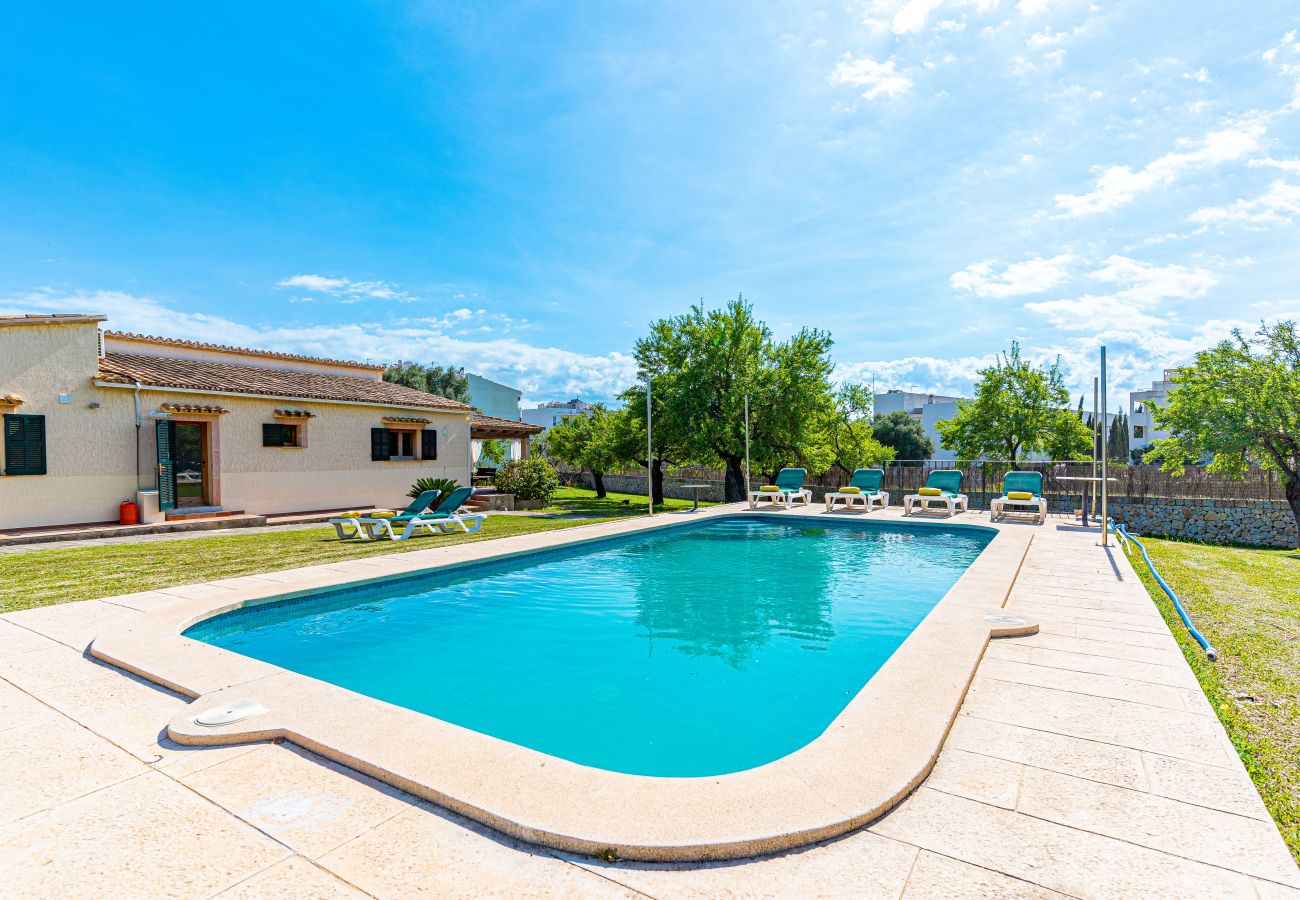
(490, 428)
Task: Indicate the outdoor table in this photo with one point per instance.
(1088, 481)
(695, 490)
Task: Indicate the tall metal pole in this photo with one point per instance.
(1096, 393)
(649, 451)
(747, 445)
(1105, 523)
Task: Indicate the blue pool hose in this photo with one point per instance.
(1126, 538)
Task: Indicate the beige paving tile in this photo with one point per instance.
(72, 624)
(1056, 752)
(20, 708)
(1230, 790)
(14, 640)
(1117, 635)
(1169, 732)
(306, 802)
(179, 760)
(936, 877)
(294, 877)
(1270, 890)
(146, 837)
(143, 601)
(977, 777)
(109, 692)
(1053, 856)
(38, 670)
(54, 760)
(1181, 829)
(1083, 683)
(427, 852)
(1166, 656)
(861, 864)
(138, 729)
(1174, 676)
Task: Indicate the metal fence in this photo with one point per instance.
(983, 481)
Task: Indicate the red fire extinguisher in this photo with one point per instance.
(128, 513)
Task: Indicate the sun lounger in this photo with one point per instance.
(942, 486)
(868, 493)
(788, 488)
(441, 520)
(357, 526)
(1028, 490)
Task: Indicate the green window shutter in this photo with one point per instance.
(428, 444)
(379, 444)
(164, 437)
(24, 444)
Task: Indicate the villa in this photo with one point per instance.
(92, 417)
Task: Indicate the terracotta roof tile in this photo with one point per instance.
(481, 422)
(202, 375)
(225, 348)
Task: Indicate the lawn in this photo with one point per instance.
(1246, 602)
(46, 576)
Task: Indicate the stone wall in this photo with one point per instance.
(1262, 523)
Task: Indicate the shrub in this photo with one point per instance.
(446, 485)
(528, 479)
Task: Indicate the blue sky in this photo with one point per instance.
(520, 188)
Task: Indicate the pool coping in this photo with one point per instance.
(876, 751)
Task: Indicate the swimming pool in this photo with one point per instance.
(693, 650)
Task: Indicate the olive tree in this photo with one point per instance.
(1239, 402)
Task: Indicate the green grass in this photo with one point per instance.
(1246, 601)
(580, 501)
(44, 577)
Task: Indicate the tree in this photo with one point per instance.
(493, 452)
(1019, 408)
(850, 430)
(628, 432)
(703, 365)
(909, 440)
(445, 381)
(587, 442)
(1117, 441)
(1240, 403)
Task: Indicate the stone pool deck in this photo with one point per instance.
(1085, 762)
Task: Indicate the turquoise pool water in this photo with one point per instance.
(698, 650)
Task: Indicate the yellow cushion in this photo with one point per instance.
(850, 490)
(350, 514)
(1019, 495)
(930, 492)
(382, 514)
(769, 489)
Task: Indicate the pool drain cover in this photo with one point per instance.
(1000, 619)
(229, 713)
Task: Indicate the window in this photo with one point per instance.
(277, 434)
(1139, 431)
(24, 444)
(1139, 408)
(387, 443)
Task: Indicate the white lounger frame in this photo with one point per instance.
(924, 501)
(998, 508)
(368, 528)
(880, 498)
(786, 498)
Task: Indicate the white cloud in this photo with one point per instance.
(1033, 276)
(1201, 75)
(912, 17)
(1286, 165)
(878, 79)
(1032, 7)
(1116, 186)
(449, 338)
(1279, 205)
(1133, 305)
(346, 288)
